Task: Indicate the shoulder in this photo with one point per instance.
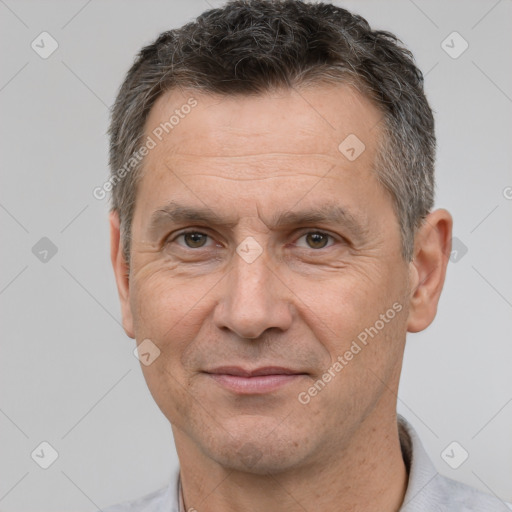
(454, 496)
(429, 490)
(164, 499)
(151, 502)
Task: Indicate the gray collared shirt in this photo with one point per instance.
(427, 490)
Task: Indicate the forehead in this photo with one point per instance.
(251, 155)
(286, 122)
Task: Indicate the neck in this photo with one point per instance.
(369, 474)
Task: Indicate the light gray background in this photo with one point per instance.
(68, 374)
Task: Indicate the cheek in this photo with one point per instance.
(161, 303)
(165, 312)
(341, 304)
(168, 313)
(360, 316)
(169, 390)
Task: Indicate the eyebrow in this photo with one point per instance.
(175, 213)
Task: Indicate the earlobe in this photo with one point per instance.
(121, 272)
(428, 268)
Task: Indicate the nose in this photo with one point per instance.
(253, 300)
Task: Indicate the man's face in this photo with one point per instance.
(314, 286)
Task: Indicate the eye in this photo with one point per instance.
(316, 239)
(197, 240)
(192, 239)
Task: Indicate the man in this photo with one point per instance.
(273, 241)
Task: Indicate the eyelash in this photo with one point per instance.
(202, 233)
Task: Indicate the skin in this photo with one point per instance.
(299, 305)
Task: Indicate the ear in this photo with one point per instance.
(121, 272)
(432, 250)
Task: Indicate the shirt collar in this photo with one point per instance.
(419, 467)
(181, 505)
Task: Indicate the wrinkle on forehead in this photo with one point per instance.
(262, 167)
(312, 122)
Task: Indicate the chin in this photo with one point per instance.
(259, 447)
(257, 459)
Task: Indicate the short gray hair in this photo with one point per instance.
(250, 47)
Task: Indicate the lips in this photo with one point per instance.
(254, 381)
(241, 372)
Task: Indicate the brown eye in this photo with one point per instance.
(194, 239)
(317, 239)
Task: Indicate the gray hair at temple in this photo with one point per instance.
(250, 47)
